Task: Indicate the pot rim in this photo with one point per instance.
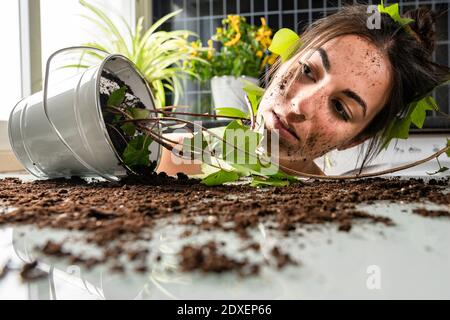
(99, 108)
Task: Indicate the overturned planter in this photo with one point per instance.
(67, 136)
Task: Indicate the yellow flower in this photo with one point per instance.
(270, 60)
(219, 30)
(210, 49)
(264, 62)
(259, 54)
(195, 46)
(263, 35)
(235, 22)
(263, 22)
(233, 41)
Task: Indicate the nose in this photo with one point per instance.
(306, 103)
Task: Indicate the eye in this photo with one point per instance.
(306, 70)
(340, 110)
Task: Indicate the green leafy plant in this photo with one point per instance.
(242, 50)
(394, 13)
(158, 55)
(237, 157)
(285, 42)
(136, 153)
(416, 114)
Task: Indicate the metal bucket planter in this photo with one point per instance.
(60, 131)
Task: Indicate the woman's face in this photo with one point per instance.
(343, 86)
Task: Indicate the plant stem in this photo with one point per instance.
(373, 174)
(439, 163)
(298, 173)
(201, 115)
(115, 129)
(445, 115)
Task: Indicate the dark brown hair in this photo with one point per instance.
(414, 74)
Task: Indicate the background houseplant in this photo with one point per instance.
(241, 53)
(158, 55)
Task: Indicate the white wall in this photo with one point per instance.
(62, 26)
(416, 147)
(10, 76)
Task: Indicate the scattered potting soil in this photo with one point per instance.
(116, 215)
(4, 270)
(431, 213)
(282, 259)
(207, 259)
(30, 272)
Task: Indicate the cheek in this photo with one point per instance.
(322, 140)
(271, 98)
(325, 135)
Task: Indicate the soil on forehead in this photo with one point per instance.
(127, 211)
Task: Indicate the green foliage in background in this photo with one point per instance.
(158, 55)
(242, 50)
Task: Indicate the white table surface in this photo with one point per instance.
(411, 260)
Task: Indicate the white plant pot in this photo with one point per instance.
(227, 91)
(71, 139)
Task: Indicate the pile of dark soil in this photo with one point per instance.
(115, 215)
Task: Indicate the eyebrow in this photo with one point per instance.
(325, 60)
(353, 95)
(349, 93)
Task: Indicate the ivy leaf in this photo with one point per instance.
(270, 181)
(399, 128)
(231, 112)
(220, 177)
(284, 43)
(252, 89)
(282, 175)
(117, 97)
(128, 128)
(419, 114)
(394, 13)
(254, 94)
(139, 113)
(279, 179)
(137, 153)
(116, 118)
(241, 154)
(441, 169)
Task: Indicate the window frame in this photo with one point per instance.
(30, 65)
(31, 57)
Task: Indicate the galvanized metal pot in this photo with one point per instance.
(60, 131)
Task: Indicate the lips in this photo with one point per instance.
(284, 130)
